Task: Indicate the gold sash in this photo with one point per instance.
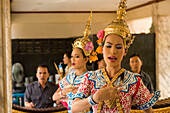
(110, 103)
(85, 111)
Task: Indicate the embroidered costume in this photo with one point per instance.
(133, 89)
(71, 80)
(67, 70)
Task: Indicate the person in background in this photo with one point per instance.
(67, 61)
(39, 93)
(136, 63)
(68, 86)
(113, 89)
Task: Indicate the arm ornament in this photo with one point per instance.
(151, 102)
(91, 101)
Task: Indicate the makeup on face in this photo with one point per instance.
(77, 58)
(112, 58)
(113, 49)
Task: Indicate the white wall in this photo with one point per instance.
(59, 25)
(141, 25)
(163, 37)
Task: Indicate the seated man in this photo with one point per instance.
(136, 64)
(39, 93)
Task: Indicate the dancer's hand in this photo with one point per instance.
(106, 92)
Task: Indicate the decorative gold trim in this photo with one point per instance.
(87, 110)
(110, 102)
(162, 110)
(119, 26)
(158, 110)
(114, 78)
(17, 111)
(88, 28)
(163, 102)
(82, 42)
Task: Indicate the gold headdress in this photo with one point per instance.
(119, 26)
(84, 43)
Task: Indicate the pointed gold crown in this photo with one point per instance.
(119, 26)
(84, 43)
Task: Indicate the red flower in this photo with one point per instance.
(100, 34)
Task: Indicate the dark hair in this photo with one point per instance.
(103, 42)
(42, 65)
(68, 54)
(135, 54)
(100, 57)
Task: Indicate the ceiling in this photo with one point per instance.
(73, 5)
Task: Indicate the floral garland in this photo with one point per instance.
(100, 36)
(93, 55)
(88, 46)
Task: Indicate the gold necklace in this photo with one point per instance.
(110, 102)
(114, 78)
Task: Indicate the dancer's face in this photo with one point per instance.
(113, 50)
(77, 59)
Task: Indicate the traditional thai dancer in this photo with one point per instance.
(113, 88)
(68, 86)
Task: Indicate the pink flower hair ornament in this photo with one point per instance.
(100, 34)
(88, 46)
